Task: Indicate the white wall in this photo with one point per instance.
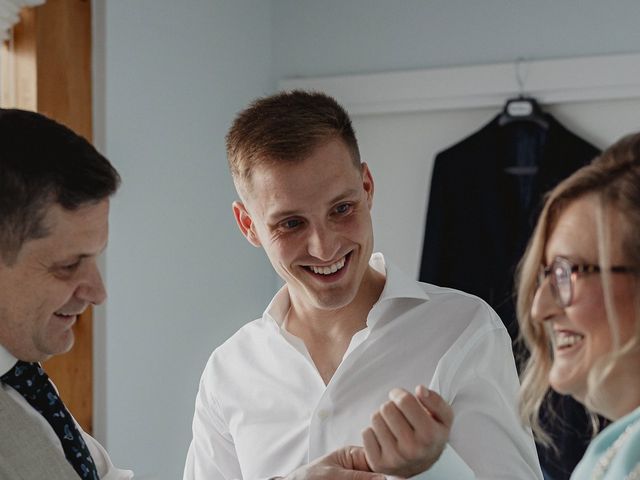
(169, 76)
(180, 276)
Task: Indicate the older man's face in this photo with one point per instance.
(52, 282)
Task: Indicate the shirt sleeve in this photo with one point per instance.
(104, 465)
(212, 454)
(448, 466)
(483, 391)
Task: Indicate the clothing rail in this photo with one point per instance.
(608, 77)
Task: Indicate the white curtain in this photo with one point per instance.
(10, 14)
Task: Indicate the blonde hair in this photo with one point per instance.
(613, 179)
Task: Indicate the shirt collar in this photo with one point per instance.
(277, 309)
(7, 361)
(397, 285)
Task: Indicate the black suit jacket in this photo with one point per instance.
(486, 194)
(480, 216)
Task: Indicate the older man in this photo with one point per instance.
(54, 204)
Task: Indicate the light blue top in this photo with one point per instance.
(625, 463)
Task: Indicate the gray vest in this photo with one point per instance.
(26, 453)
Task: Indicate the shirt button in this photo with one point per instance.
(323, 414)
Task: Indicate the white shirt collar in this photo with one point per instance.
(397, 285)
(7, 361)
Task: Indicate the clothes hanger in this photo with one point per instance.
(522, 108)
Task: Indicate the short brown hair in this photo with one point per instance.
(42, 163)
(613, 179)
(286, 127)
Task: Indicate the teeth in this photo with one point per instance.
(567, 339)
(330, 269)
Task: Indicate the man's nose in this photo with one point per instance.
(92, 289)
(323, 243)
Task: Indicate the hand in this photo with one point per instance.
(407, 434)
(348, 463)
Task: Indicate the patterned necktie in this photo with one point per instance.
(31, 381)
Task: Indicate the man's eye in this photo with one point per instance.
(343, 208)
(291, 224)
(71, 267)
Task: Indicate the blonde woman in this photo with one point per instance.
(579, 307)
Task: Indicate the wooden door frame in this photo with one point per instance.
(49, 68)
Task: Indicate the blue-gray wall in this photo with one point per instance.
(180, 276)
(334, 37)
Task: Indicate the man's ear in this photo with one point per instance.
(367, 183)
(245, 223)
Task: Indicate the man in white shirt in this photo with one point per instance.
(54, 204)
(340, 355)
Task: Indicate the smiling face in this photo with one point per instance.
(580, 333)
(313, 220)
(52, 282)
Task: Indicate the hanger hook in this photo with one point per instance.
(519, 75)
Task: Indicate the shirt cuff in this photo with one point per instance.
(449, 465)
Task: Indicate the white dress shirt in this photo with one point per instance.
(103, 463)
(263, 410)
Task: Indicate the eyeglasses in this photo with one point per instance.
(563, 273)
